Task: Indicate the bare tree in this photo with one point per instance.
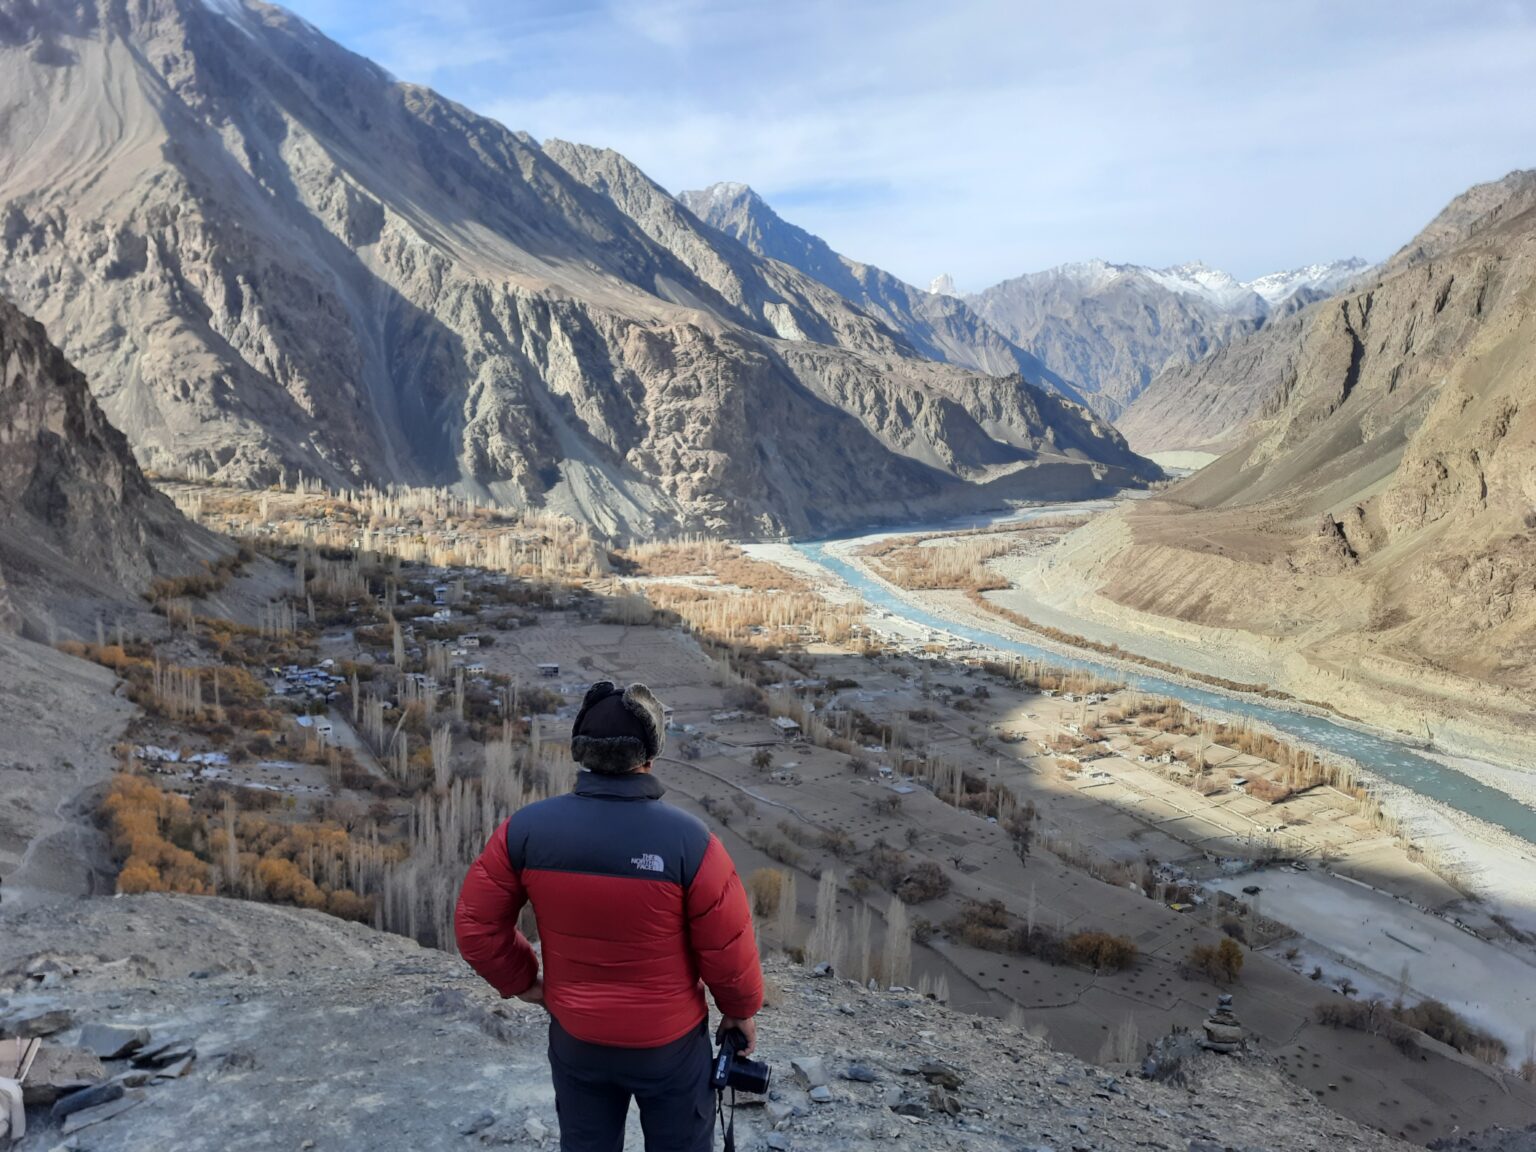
(826, 940)
(788, 926)
(896, 962)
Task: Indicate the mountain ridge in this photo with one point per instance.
(271, 258)
(77, 516)
(1209, 405)
(1113, 328)
(939, 325)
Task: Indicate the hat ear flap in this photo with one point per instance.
(644, 706)
(595, 694)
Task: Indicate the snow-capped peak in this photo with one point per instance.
(1212, 285)
(943, 285)
(722, 192)
(1197, 278)
(1278, 286)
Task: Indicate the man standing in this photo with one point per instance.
(639, 908)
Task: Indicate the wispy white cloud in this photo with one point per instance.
(990, 137)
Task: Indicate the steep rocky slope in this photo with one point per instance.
(270, 256)
(1380, 525)
(77, 515)
(1112, 328)
(937, 324)
(313, 1032)
(1208, 405)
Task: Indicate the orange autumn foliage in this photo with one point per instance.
(147, 828)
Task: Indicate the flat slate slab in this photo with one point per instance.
(87, 1098)
(89, 1116)
(110, 1041)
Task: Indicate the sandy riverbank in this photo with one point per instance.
(1490, 862)
(1387, 941)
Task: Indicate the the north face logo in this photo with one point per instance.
(650, 862)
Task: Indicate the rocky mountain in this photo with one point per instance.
(271, 257)
(77, 515)
(936, 323)
(1112, 328)
(1377, 527)
(308, 1031)
(1479, 208)
(1208, 405)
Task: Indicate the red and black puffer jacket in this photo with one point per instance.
(639, 908)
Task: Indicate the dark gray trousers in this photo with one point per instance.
(594, 1084)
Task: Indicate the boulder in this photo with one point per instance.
(477, 1123)
(811, 1069)
(111, 1041)
(30, 1026)
(57, 1071)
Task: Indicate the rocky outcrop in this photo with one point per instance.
(381, 1043)
(1386, 505)
(76, 513)
(936, 324)
(272, 258)
(1208, 405)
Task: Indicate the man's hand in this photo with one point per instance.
(747, 1028)
(534, 993)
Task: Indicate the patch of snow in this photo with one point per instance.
(1329, 277)
(1199, 279)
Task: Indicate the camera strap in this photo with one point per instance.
(727, 1131)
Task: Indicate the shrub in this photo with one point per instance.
(1223, 962)
(1438, 1021)
(765, 885)
(838, 842)
(925, 882)
(1101, 951)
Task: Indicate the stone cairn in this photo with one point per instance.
(1223, 1030)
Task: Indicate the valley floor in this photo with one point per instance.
(1489, 861)
(812, 807)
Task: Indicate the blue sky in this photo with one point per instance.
(988, 138)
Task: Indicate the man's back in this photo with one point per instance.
(633, 902)
(639, 908)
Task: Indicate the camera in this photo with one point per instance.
(732, 1070)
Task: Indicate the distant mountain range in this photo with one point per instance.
(271, 257)
(1112, 328)
(1092, 331)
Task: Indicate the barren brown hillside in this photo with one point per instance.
(1380, 526)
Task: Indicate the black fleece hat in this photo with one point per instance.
(618, 729)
